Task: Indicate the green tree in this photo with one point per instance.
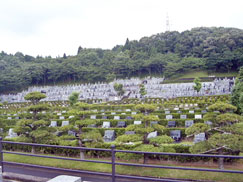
(119, 89)
(198, 84)
(35, 132)
(73, 98)
(237, 93)
(226, 137)
(142, 90)
(34, 97)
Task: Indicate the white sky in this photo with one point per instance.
(54, 27)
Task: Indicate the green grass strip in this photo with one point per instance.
(128, 170)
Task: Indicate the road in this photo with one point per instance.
(50, 173)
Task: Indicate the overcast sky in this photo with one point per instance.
(54, 27)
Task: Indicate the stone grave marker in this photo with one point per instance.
(123, 113)
(11, 133)
(189, 123)
(106, 124)
(59, 114)
(171, 124)
(64, 111)
(128, 110)
(208, 123)
(109, 136)
(113, 113)
(183, 116)
(179, 112)
(169, 116)
(71, 133)
(65, 123)
(191, 112)
(121, 124)
(93, 117)
(167, 112)
(70, 117)
(199, 137)
(152, 134)
(104, 117)
(153, 122)
(129, 132)
(133, 113)
(198, 116)
(175, 134)
(116, 117)
(9, 118)
(92, 126)
(204, 111)
(129, 117)
(61, 117)
(137, 122)
(53, 124)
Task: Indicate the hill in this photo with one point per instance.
(206, 49)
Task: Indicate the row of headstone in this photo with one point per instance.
(196, 116)
(106, 92)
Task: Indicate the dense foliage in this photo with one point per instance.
(213, 49)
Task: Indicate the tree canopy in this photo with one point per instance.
(212, 49)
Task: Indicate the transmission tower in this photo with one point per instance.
(167, 27)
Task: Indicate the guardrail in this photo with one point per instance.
(113, 162)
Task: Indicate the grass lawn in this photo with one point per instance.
(153, 172)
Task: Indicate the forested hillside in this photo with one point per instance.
(211, 49)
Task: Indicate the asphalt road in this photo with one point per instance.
(50, 173)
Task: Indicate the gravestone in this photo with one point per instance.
(167, 112)
(189, 123)
(123, 113)
(175, 134)
(133, 113)
(65, 123)
(129, 117)
(198, 116)
(137, 122)
(153, 122)
(93, 117)
(104, 117)
(59, 114)
(183, 116)
(129, 132)
(71, 133)
(43, 112)
(53, 124)
(92, 126)
(64, 111)
(199, 137)
(17, 117)
(106, 124)
(152, 134)
(204, 111)
(70, 117)
(109, 136)
(116, 117)
(113, 113)
(61, 117)
(128, 110)
(208, 123)
(179, 112)
(169, 116)
(11, 133)
(191, 112)
(171, 124)
(121, 124)
(176, 109)
(9, 118)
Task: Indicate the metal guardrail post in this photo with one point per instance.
(1, 154)
(113, 158)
